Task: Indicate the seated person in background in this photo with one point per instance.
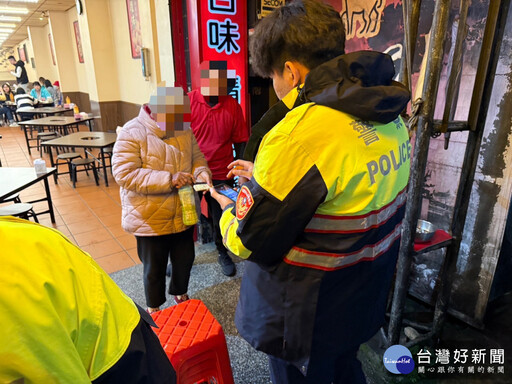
(40, 93)
(49, 88)
(58, 100)
(24, 102)
(63, 318)
(42, 80)
(7, 95)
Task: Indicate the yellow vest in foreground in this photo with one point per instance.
(62, 318)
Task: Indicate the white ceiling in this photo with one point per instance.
(32, 18)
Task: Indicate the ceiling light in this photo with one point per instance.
(23, 1)
(6, 29)
(9, 18)
(6, 25)
(21, 11)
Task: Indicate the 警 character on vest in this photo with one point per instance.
(319, 221)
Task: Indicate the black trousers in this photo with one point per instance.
(346, 369)
(154, 252)
(215, 213)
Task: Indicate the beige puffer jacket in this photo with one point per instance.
(143, 165)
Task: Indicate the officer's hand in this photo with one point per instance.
(180, 179)
(240, 168)
(242, 180)
(221, 199)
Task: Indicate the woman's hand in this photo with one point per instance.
(221, 199)
(204, 177)
(180, 179)
(240, 168)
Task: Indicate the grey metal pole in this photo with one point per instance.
(419, 162)
(455, 69)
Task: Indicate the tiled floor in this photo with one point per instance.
(89, 215)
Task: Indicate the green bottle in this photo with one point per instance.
(188, 205)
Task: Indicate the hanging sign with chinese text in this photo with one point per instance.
(221, 36)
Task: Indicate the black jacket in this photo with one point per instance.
(23, 79)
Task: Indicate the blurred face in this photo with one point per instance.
(6, 88)
(281, 83)
(12, 61)
(214, 82)
(170, 108)
(37, 87)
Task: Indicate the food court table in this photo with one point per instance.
(40, 109)
(16, 179)
(86, 140)
(48, 111)
(62, 123)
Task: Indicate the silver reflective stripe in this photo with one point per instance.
(330, 261)
(347, 224)
(226, 232)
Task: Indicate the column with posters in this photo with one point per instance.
(218, 31)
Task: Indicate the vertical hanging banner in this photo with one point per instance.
(218, 31)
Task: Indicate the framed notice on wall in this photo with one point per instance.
(132, 7)
(51, 48)
(78, 42)
(22, 51)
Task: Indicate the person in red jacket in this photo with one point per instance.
(218, 124)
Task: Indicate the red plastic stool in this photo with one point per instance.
(194, 343)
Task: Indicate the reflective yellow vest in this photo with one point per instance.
(322, 175)
(62, 318)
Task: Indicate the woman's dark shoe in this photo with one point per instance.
(227, 265)
(181, 298)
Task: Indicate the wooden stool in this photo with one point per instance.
(88, 164)
(67, 158)
(22, 210)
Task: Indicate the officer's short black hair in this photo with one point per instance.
(307, 31)
(20, 91)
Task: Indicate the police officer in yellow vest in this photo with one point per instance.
(63, 320)
(320, 219)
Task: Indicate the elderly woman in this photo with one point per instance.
(155, 155)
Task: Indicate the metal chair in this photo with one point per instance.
(67, 158)
(45, 136)
(22, 210)
(15, 197)
(87, 163)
